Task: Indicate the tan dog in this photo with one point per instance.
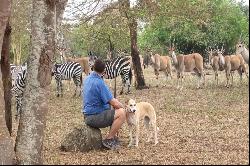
(137, 111)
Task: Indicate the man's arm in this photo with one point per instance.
(115, 103)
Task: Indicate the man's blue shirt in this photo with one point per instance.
(96, 95)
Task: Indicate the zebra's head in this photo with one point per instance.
(92, 60)
(55, 69)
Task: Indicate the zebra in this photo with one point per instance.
(18, 89)
(66, 71)
(119, 66)
(14, 70)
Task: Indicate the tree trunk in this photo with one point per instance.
(128, 13)
(135, 55)
(32, 123)
(111, 48)
(5, 8)
(6, 143)
(5, 67)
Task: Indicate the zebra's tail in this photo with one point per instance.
(81, 79)
(130, 76)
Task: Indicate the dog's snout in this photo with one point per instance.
(133, 110)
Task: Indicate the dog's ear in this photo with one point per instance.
(126, 101)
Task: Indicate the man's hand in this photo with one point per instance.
(115, 103)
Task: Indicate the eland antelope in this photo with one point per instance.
(187, 63)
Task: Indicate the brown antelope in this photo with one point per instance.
(243, 51)
(232, 63)
(187, 63)
(161, 63)
(215, 63)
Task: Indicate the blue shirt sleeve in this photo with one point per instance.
(106, 94)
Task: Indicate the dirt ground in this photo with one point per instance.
(197, 126)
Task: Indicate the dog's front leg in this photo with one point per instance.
(137, 134)
(131, 136)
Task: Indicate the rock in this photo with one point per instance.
(83, 138)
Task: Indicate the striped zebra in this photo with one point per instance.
(18, 89)
(119, 66)
(14, 70)
(66, 71)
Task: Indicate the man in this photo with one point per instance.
(97, 102)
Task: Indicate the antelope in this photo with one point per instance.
(230, 64)
(187, 63)
(243, 51)
(215, 63)
(161, 63)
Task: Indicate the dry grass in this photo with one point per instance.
(197, 126)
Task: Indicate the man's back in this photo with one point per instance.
(96, 95)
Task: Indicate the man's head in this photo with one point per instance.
(99, 66)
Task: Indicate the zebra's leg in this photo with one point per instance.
(123, 84)
(128, 85)
(18, 106)
(69, 84)
(78, 86)
(59, 88)
(121, 92)
(74, 79)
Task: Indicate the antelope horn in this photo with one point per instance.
(170, 42)
(240, 37)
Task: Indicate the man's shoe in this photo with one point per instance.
(116, 139)
(109, 143)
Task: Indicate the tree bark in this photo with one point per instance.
(6, 78)
(111, 48)
(135, 55)
(32, 123)
(5, 8)
(6, 143)
(132, 23)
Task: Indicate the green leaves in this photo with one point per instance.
(197, 24)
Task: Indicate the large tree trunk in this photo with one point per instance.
(6, 143)
(111, 48)
(129, 14)
(5, 67)
(5, 8)
(32, 123)
(135, 55)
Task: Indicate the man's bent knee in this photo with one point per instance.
(120, 113)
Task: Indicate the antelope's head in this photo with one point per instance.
(239, 48)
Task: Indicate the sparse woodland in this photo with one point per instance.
(208, 125)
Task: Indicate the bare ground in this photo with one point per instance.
(197, 126)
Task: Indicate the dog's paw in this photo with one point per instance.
(129, 145)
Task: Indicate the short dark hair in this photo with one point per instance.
(99, 66)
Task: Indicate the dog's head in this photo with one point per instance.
(131, 105)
